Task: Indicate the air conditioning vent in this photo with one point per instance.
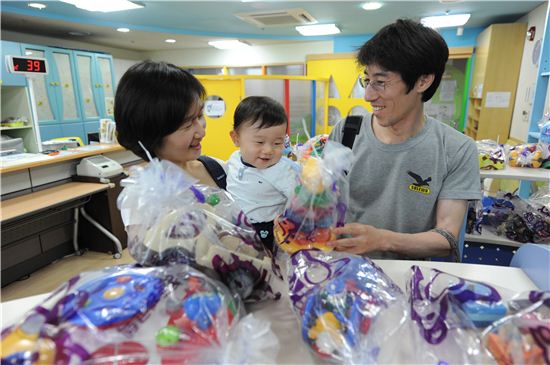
(280, 18)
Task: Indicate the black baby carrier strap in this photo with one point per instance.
(352, 126)
(215, 170)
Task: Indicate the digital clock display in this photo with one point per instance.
(30, 65)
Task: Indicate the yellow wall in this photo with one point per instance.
(345, 72)
(217, 142)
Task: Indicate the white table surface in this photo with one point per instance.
(285, 324)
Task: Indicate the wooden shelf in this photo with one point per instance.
(489, 237)
(517, 173)
(28, 203)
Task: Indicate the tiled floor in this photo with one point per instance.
(50, 277)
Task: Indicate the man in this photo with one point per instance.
(412, 175)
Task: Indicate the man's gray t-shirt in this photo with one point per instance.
(397, 186)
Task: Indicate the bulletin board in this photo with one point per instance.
(448, 105)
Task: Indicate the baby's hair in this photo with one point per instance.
(262, 109)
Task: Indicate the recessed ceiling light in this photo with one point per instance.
(444, 21)
(229, 44)
(103, 6)
(38, 6)
(318, 29)
(371, 5)
(170, 41)
(123, 30)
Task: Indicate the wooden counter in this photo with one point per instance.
(72, 154)
(39, 200)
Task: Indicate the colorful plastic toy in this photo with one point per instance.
(316, 207)
(197, 322)
(113, 300)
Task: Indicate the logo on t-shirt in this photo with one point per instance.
(420, 185)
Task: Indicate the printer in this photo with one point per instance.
(98, 166)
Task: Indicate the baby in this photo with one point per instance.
(259, 178)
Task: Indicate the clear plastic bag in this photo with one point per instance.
(320, 199)
(525, 155)
(524, 336)
(491, 155)
(170, 218)
(535, 212)
(126, 314)
(347, 307)
(446, 311)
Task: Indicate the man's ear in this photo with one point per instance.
(235, 138)
(424, 82)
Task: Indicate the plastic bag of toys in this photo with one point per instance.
(448, 314)
(522, 337)
(128, 315)
(535, 213)
(349, 310)
(171, 219)
(320, 199)
(525, 155)
(495, 210)
(491, 155)
(544, 142)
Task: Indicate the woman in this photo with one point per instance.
(159, 107)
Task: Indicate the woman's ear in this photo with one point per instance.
(424, 82)
(235, 138)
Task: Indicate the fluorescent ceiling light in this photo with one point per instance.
(170, 40)
(372, 5)
(318, 29)
(104, 6)
(123, 30)
(229, 44)
(38, 6)
(443, 21)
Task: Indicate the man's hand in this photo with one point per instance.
(361, 238)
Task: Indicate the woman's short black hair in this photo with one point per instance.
(267, 111)
(152, 101)
(409, 49)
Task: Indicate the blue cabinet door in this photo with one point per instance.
(87, 86)
(9, 79)
(43, 88)
(55, 93)
(106, 84)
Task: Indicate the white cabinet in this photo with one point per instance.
(15, 103)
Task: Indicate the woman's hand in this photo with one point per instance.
(359, 238)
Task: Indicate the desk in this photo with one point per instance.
(35, 227)
(72, 154)
(284, 323)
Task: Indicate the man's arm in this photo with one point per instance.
(364, 238)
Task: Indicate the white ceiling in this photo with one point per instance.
(194, 23)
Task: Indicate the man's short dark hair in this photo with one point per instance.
(409, 49)
(267, 111)
(152, 101)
